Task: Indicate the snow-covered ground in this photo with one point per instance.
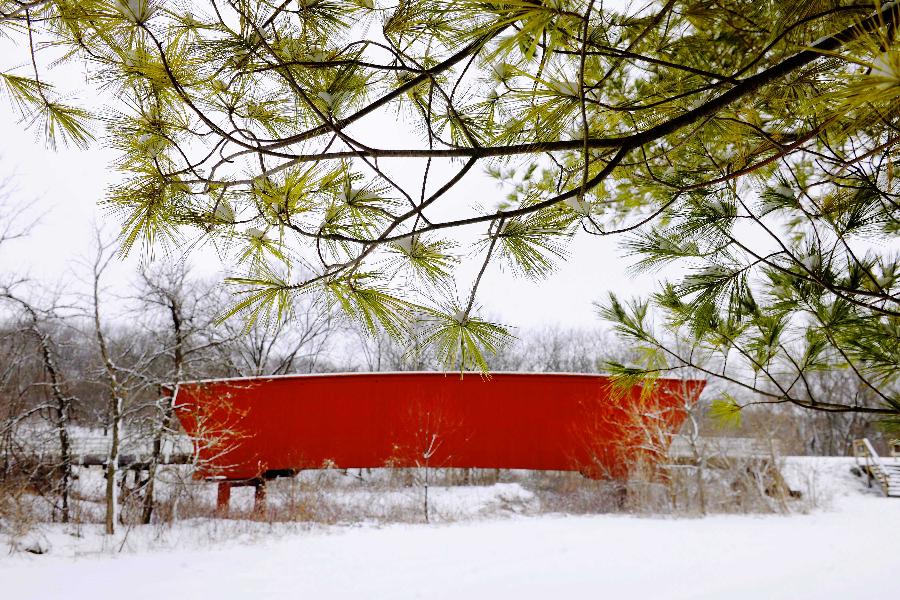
(846, 549)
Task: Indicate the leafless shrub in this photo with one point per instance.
(18, 514)
(180, 496)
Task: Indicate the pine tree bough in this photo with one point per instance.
(693, 133)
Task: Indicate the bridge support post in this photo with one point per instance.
(259, 497)
(223, 498)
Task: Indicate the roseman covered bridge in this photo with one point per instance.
(248, 430)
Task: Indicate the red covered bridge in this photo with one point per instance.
(248, 430)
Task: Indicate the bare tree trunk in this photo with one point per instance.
(112, 466)
(62, 414)
(116, 399)
(164, 420)
(433, 445)
(164, 405)
(62, 408)
(65, 455)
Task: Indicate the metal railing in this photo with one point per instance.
(93, 450)
(871, 463)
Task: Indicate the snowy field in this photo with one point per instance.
(846, 548)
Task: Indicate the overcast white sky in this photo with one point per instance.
(66, 185)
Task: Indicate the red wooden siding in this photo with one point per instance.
(243, 428)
